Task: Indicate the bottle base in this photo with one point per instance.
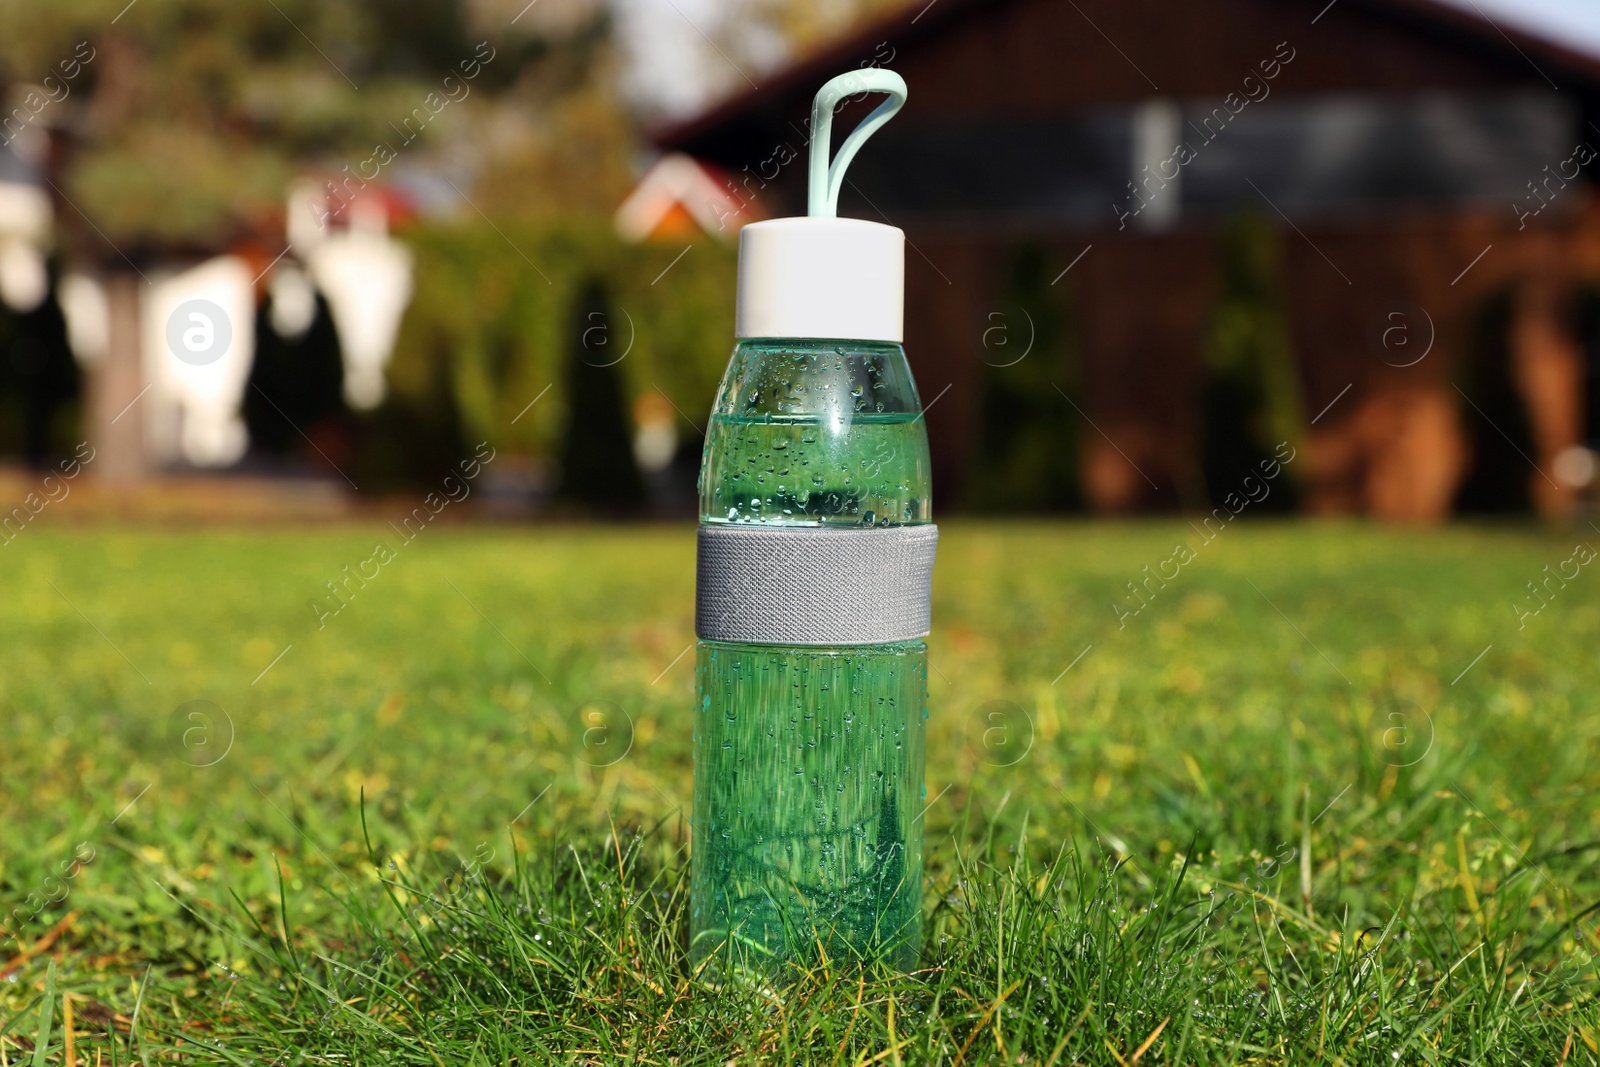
(808, 778)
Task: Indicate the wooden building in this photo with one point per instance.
(1081, 176)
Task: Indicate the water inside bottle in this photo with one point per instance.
(797, 469)
(808, 785)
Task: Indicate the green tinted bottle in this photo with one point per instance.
(809, 759)
(813, 573)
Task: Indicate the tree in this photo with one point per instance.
(190, 116)
(183, 121)
(1028, 453)
(1251, 396)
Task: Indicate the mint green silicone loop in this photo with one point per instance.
(822, 199)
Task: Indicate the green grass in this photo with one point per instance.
(1264, 822)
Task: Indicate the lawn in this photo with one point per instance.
(1324, 797)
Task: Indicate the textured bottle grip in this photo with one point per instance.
(814, 585)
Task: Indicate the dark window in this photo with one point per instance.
(1063, 170)
(1336, 155)
(1314, 156)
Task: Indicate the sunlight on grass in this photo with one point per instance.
(1320, 798)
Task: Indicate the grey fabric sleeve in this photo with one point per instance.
(814, 585)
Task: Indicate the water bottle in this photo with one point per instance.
(814, 564)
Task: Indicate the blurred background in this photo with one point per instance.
(282, 281)
(286, 259)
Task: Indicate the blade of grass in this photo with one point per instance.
(47, 1009)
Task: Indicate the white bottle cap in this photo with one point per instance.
(821, 277)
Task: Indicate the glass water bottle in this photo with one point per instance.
(812, 589)
(808, 787)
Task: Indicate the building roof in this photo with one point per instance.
(1546, 60)
(677, 197)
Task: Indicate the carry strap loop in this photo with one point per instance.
(826, 178)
